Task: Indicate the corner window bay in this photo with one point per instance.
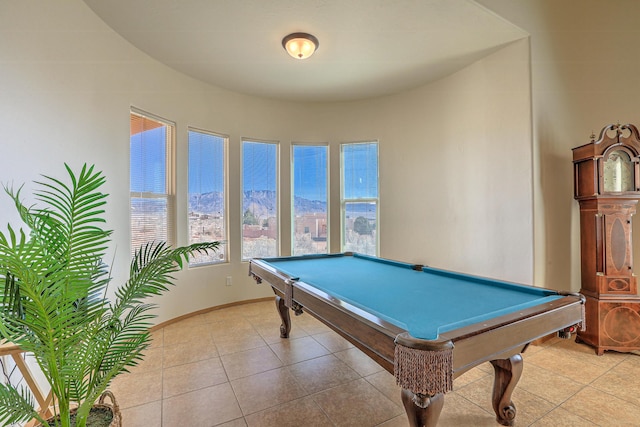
(259, 199)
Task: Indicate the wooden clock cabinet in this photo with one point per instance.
(607, 187)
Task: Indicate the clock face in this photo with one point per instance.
(618, 172)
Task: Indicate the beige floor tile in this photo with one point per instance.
(385, 383)
(358, 361)
(181, 334)
(174, 355)
(633, 358)
(332, 341)
(322, 373)
(205, 407)
(238, 422)
(148, 415)
(136, 389)
(221, 315)
(253, 309)
(266, 390)
(189, 321)
(478, 392)
(269, 329)
(157, 338)
(564, 418)
(292, 351)
(399, 421)
(302, 412)
(356, 403)
(239, 342)
(547, 384)
(570, 362)
(230, 329)
(583, 352)
(274, 383)
(271, 334)
(250, 362)
(270, 316)
(603, 409)
(309, 324)
(622, 381)
(458, 411)
(470, 376)
(192, 376)
(529, 406)
(152, 360)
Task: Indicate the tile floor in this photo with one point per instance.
(230, 368)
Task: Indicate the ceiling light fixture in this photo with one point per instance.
(300, 45)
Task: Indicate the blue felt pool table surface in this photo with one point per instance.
(425, 302)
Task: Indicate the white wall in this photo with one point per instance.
(455, 160)
(584, 62)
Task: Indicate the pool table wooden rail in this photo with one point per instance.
(510, 334)
(500, 340)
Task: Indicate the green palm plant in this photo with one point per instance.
(53, 285)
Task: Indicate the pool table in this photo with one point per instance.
(424, 325)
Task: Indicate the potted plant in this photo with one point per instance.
(53, 285)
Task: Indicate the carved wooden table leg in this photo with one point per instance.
(422, 411)
(285, 327)
(507, 374)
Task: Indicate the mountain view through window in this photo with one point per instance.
(309, 177)
(259, 199)
(207, 202)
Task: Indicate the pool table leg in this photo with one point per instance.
(422, 411)
(285, 327)
(507, 374)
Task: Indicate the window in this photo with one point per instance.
(359, 197)
(151, 180)
(259, 199)
(309, 206)
(207, 194)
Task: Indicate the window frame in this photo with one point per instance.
(225, 189)
(170, 177)
(344, 201)
(278, 238)
(328, 189)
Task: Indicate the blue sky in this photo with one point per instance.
(147, 161)
(360, 163)
(206, 167)
(206, 163)
(310, 172)
(259, 166)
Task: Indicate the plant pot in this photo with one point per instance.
(99, 407)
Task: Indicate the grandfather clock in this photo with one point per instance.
(607, 186)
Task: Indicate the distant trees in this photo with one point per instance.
(361, 226)
(249, 218)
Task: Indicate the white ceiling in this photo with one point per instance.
(368, 48)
